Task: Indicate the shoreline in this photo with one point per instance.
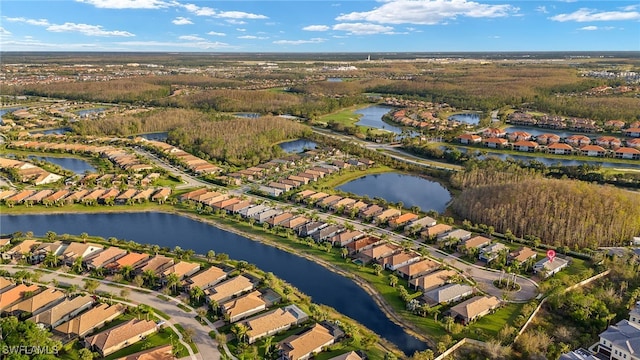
(363, 284)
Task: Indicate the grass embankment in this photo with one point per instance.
(335, 180)
(81, 208)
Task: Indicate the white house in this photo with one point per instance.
(550, 267)
(622, 340)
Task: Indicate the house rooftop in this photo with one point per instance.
(242, 304)
(163, 352)
(86, 321)
(298, 346)
(206, 277)
(470, 309)
(624, 335)
(117, 335)
(37, 301)
(229, 288)
(57, 312)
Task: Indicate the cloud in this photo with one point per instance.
(191, 38)
(251, 37)
(207, 11)
(300, 42)
(161, 44)
(316, 28)
(241, 29)
(542, 9)
(38, 22)
(585, 15)
(429, 12)
(213, 33)
(34, 45)
(182, 21)
(86, 29)
(363, 29)
(4, 33)
(594, 28)
(235, 22)
(127, 4)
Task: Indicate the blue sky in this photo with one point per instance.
(319, 26)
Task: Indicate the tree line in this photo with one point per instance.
(114, 91)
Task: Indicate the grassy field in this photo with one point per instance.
(346, 117)
(348, 175)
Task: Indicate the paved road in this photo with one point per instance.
(208, 348)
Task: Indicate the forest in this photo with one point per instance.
(114, 91)
(569, 213)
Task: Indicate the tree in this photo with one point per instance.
(240, 331)
(84, 236)
(125, 292)
(51, 260)
(377, 268)
(138, 281)
(51, 236)
(448, 323)
(77, 266)
(126, 271)
(91, 285)
(85, 354)
(211, 255)
(393, 280)
(173, 281)
(150, 277)
(27, 334)
(196, 294)
(268, 345)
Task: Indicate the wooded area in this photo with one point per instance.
(114, 91)
(561, 212)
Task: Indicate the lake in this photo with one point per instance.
(333, 79)
(158, 136)
(467, 118)
(56, 131)
(76, 165)
(324, 286)
(372, 117)
(297, 146)
(535, 131)
(562, 162)
(247, 115)
(87, 112)
(394, 187)
(8, 110)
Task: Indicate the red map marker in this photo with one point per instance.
(551, 254)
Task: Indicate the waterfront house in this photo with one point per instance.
(121, 336)
(226, 290)
(611, 142)
(280, 218)
(627, 153)
(125, 196)
(546, 267)
(632, 132)
(342, 204)
(474, 308)
(432, 280)
(418, 268)
(447, 294)
(295, 223)
(495, 143)
(205, 279)
(547, 139)
(361, 244)
(386, 215)
(38, 196)
(309, 228)
(266, 215)
(326, 233)
(18, 251)
(238, 207)
(633, 143)
(133, 259)
(378, 252)
(5, 284)
(469, 139)
(593, 150)
(346, 237)
(317, 197)
(525, 146)
(578, 140)
(161, 195)
(435, 230)
(194, 195)
(222, 204)
(36, 303)
(77, 250)
(493, 133)
(104, 257)
(398, 260)
(402, 219)
(256, 209)
(243, 306)
(40, 252)
(84, 323)
(329, 200)
(182, 269)
(157, 264)
(518, 136)
(304, 345)
(273, 322)
(370, 211)
(64, 311)
(420, 223)
(560, 149)
(304, 194)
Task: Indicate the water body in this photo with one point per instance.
(247, 115)
(467, 118)
(332, 79)
(8, 110)
(158, 136)
(87, 112)
(535, 131)
(562, 162)
(394, 187)
(372, 117)
(297, 146)
(324, 286)
(56, 131)
(76, 165)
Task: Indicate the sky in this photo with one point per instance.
(319, 25)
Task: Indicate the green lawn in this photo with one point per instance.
(346, 117)
(491, 324)
(80, 208)
(347, 175)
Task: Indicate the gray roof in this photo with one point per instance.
(578, 354)
(448, 292)
(551, 265)
(624, 335)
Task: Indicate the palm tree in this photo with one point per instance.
(138, 281)
(211, 255)
(150, 277)
(77, 265)
(240, 331)
(268, 344)
(173, 281)
(393, 280)
(126, 271)
(377, 268)
(51, 260)
(196, 293)
(448, 323)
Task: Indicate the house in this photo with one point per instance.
(276, 220)
(328, 201)
(36, 303)
(228, 289)
(157, 264)
(77, 250)
(361, 244)
(63, 311)
(295, 223)
(526, 146)
(560, 149)
(632, 132)
(317, 196)
(447, 294)
(592, 150)
(469, 139)
(518, 136)
(402, 219)
(9, 296)
(5, 284)
(121, 336)
(386, 215)
(417, 268)
(326, 233)
(609, 142)
(351, 355)
(547, 139)
(491, 252)
(342, 204)
(627, 153)
(182, 269)
(419, 224)
(304, 194)
(266, 215)
(494, 133)
(474, 308)
(495, 143)
(622, 340)
(163, 352)
(548, 268)
(345, 237)
(634, 143)
(304, 345)
(378, 252)
(104, 257)
(456, 235)
(578, 354)
(578, 140)
(205, 279)
(396, 261)
(475, 242)
(243, 306)
(270, 190)
(161, 195)
(224, 203)
(370, 211)
(436, 230)
(522, 255)
(238, 207)
(309, 228)
(133, 259)
(432, 280)
(84, 323)
(256, 209)
(273, 322)
(18, 251)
